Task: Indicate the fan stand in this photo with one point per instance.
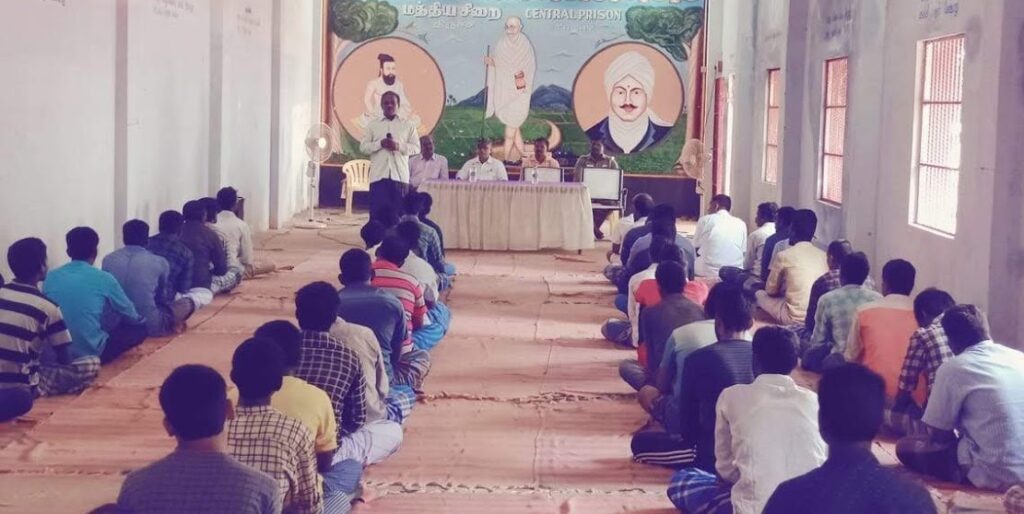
(311, 222)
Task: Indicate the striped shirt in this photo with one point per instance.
(406, 288)
(29, 321)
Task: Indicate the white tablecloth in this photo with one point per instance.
(512, 215)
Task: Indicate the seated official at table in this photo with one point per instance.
(483, 166)
(540, 158)
(427, 165)
(595, 159)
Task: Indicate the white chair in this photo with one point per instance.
(357, 178)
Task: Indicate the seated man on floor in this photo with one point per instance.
(209, 257)
(416, 265)
(975, 414)
(483, 166)
(657, 322)
(783, 230)
(706, 373)
(428, 246)
(787, 292)
(927, 351)
(312, 407)
(144, 276)
(90, 299)
(427, 203)
(372, 307)
(661, 400)
(642, 204)
(35, 357)
(167, 244)
(329, 365)
(237, 236)
(662, 224)
(627, 332)
(881, 330)
(198, 476)
(834, 255)
(720, 238)
(836, 312)
(266, 439)
(660, 211)
(426, 326)
(765, 221)
(850, 402)
(766, 432)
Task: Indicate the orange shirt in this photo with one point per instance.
(879, 338)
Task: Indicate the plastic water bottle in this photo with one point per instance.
(534, 178)
(472, 174)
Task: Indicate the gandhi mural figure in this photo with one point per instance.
(631, 126)
(511, 69)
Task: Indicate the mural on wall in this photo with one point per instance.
(515, 70)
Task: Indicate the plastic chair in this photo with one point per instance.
(357, 178)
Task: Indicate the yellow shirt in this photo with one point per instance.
(308, 404)
(793, 272)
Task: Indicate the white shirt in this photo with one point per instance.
(363, 343)
(493, 170)
(385, 164)
(755, 246)
(721, 240)
(766, 433)
(424, 274)
(633, 306)
(237, 238)
(625, 225)
(422, 170)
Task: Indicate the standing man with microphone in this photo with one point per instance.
(389, 141)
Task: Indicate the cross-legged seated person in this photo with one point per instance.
(626, 332)
(199, 476)
(928, 349)
(881, 330)
(310, 405)
(329, 365)
(642, 204)
(750, 274)
(102, 320)
(663, 224)
(658, 321)
(426, 204)
(438, 314)
(428, 246)
(238, 236)
(836, 312)
(706, 373)
(387, 275)
(630, 239)
(35, 353)
(783, 231)
(167, 244)
(720, 238)
(482, 166)
(661, 400)
(766, 432)
(235, 272)
(265, 438)
(975, 414)
(209, 258)
(145, 278)
(786, 293)
(377, 386)
(362, 303)
(851, 481)
(835, 253)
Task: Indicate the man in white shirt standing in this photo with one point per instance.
(483, 167)
(766, 433)
(427, 165)
(389, 141)
(720, 238)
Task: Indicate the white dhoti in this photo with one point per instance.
(510, 80)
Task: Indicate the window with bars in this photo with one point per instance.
(834, 130)
(940, 101)
(770, 174)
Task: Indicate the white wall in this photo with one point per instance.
(115, 109)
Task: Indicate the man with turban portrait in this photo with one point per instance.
(631, 126)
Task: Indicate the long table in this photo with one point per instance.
(515, 216)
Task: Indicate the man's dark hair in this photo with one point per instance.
(733, 309)
(387, 215)
(671, 277)
(482, 143)
(286, 335)
(257, 368)
(212, 208)
(542, 140)
(930, 303)
(373, 233)
(657, 244)
(723, 201)
(665, 228)
(850, 403)
(965, 326)
(316, 306)
(383, 58)
(898, 276)
(26, 257)
(768, 211)
(194, 400)
(398, 99)
(784, 217)
(410, 232)
(135, 232)
(428, 202)
(193, 210)
(227, 197)
(775, 350)
(662, 211)
(412, 204)
(394, 250)
(170, 222)
(839, 249)
(83, 243)
(855, 269)
(356, 267)
(642, 205)
(669, 253)
(805, 224)
(712, 300)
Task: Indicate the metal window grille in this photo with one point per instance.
(834, 130)
(772, 134)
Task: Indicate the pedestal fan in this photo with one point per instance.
(320, 144)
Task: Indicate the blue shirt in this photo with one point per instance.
(640, 258)
(86, 295)
(144, 278)
(379, 311)
(851, 481)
